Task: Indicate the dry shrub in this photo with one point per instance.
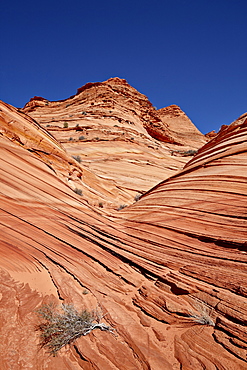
(62, 326)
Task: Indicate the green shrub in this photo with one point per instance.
(62, 326)
(81, 137)
(65, 125)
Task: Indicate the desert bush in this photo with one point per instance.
(81, 137)
(202, 316)
(62, 326)
(203, 319)
(65, 125)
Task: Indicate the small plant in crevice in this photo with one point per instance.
(61, 326)
(77, 158)
(184, 153)
(78, 191)
(122, 206)
(65, 125)
(137, 196)
(81, 137)
(188, 153)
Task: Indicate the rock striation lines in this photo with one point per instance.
(168, 272)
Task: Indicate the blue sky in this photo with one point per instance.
(187, 52)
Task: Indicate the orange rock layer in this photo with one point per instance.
(168, 272)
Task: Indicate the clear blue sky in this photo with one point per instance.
(192, 53)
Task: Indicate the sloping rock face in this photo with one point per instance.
(197, 222)
(180, 126)
(24, 131)
(117, 134)
(168, 272)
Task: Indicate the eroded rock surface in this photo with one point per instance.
(168, 272)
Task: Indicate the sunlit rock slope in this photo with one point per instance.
(168, 272)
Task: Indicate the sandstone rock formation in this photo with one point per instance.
(117, 134)
(168, 272)
(180, 127)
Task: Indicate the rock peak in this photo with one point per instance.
(110, 81)
(117, 80)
